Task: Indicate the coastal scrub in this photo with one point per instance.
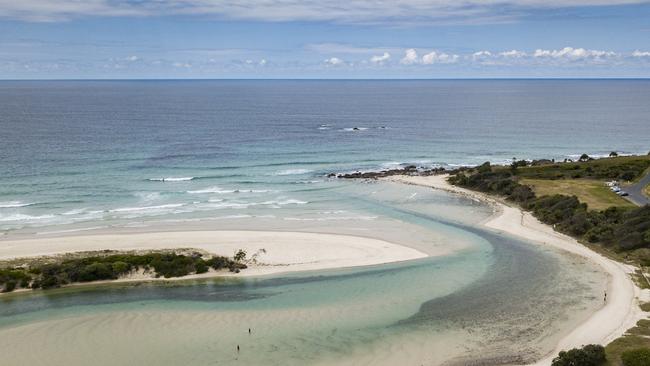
(110, 265)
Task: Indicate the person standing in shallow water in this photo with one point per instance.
(249, 330)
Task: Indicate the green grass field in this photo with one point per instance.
(590, 191)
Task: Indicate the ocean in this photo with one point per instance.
(85, 154)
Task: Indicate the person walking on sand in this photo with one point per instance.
(605, 298)
(237, 348)
(249, 330)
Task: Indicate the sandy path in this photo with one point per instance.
(621, 311)
(285, 251)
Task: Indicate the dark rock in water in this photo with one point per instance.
(408, 170)
(355, 129)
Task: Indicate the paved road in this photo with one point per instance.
(636, 191)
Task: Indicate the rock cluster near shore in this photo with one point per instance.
(408, 170)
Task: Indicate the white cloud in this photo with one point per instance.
(638, 53)
(570, 53)
(481, 54)
(513, 54)
(346, 11)
(438, 58)
(410, 57)
(380, 59)
(334, 61)
(132, 58)
(263, 62)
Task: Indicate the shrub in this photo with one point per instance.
(201, 267)
(484, 168)
(636, 357)
(589, 355)
(95, 272)
(9, 286)
(240, 255)
(627, 175)
(120, 267)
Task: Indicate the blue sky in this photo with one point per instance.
(60, 39)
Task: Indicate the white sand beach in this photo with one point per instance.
(621, 311)
(276, 251)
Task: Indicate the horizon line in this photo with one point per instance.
(334, 79)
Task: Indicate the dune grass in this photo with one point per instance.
(593, 192)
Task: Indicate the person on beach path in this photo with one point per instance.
(605, 298)
(249, 330)
(237, 348)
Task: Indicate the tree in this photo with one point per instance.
(636, 357)
(584, 157)
(613, 154)
(589, 355)
(240, 255)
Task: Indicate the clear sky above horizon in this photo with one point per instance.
(60, 39)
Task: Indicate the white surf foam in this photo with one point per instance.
(14, 204)
(227, 191)
(211, 190)
(293, 172)
(147, 208)
(23, 217)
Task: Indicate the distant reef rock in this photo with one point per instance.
(408, 170)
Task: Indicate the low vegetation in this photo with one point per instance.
(636, 357)
(625, 168)
(110, 265)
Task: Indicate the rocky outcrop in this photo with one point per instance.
(408, 170)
